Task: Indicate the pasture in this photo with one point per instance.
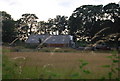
(62, 65)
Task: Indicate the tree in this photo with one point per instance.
(27, 25)
(83, 19)
(52, 26)
(113, 13)
(97, 23)
(44, 27)
(8, 28)
(60, 23)
(41, 27)
(111, 20)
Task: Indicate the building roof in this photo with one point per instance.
(49, 39)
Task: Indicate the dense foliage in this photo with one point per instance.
(90, 23)
(8, 28)
(96, 22)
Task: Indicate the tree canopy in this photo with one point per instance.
(26, 25)
(91, 23)
(95, 22)
(8, 28)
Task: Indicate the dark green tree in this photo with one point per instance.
(111, 22)
(8, 28)
(83, 19)
(96, 23)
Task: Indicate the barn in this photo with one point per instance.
(51, 40)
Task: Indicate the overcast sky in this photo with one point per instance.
(45, 9)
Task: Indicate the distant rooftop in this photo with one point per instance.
(50, 39)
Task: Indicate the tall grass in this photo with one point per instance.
(114, 66)
(9, 68)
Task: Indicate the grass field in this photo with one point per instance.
(62, 65)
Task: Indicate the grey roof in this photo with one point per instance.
(49, 39)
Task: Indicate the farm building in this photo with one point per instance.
(51, 40)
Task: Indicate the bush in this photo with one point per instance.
(81, 43)
(33, 46)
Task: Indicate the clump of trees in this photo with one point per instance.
(55, 26)
(90, 23)
(96, 23)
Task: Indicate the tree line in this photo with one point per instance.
(90, 23)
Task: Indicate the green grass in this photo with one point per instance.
(6, 50)
(9, 69)
(48, 49)
(0, 63)
(81, 71)
(40, 72)
(35, 72)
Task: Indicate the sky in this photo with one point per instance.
(45, 9)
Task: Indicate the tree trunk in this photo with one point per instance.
(30, 29)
